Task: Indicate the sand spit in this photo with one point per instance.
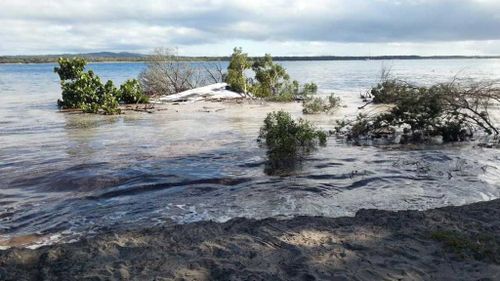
(374, 245)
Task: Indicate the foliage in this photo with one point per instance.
(308, 90)
(389, 91)
(270, 77)
(313, 105)
(167, 74)
(287, 139)
(70, 68)
(283, 134)
(272, 82)
(131, 92)
(238, 64)
(84, 90)
(451, 110)
(483, 247)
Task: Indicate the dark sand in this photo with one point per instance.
(374, 245)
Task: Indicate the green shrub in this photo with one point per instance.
(131, 92)
(288, 140)
(451, 111)
(313, 105)
(70, 69)
(282, 134)
(84, 90)
(309, 89)
(238, 64)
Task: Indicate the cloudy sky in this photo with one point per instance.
(280, 27)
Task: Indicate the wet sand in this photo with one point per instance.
(373, 245)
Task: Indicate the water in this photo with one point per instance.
(64, 175)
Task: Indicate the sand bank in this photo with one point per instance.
(373, 245)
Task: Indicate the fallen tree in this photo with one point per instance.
(453, 111)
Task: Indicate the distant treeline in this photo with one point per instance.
(134, 57)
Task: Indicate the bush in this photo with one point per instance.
(451, 111)
(131, 92)
(309, 89)
(84, 90)
(313, 105)
(284, 135)
(70, 69)
(390, 91)
(287, 140)
(236, 78)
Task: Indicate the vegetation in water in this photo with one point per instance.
(314, 105)
(84, 89)
(271, 80)
(452, 110)
(236, 78)
(483, 247)
(288, 140)
(167, 74)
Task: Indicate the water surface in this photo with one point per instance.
(65, 175)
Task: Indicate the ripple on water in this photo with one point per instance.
(66, 175)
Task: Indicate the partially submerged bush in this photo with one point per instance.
(452, 111)
(85, 91)
(287, 140)
(271, 80)
(131, 92)
(313, 105)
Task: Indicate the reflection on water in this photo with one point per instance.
(66, 174)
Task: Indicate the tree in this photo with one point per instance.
(84, 89)
(451, 110)
(167, 74)
(270, 76)
(238, 64)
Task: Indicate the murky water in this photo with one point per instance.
(63, 175)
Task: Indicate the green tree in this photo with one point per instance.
(84, 90)
(272, 81)
(70, 68)
(236, 71)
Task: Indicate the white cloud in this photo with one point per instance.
(360, 27)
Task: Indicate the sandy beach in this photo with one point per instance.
(373, 245)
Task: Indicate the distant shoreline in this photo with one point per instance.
(131, 57)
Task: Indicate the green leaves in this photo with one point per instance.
(236, 71)
(70, 69)
(284, 135)
(84, 90)
(272, 79)
(313, 105)
(131, 92)
(287, 141)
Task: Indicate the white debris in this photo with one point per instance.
(216, 91)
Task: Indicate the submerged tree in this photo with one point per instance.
(238, 64)
(287, 140)
(452, 110)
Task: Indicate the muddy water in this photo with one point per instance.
(65, 175)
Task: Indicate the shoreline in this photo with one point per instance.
(51, 59)
(373, 245)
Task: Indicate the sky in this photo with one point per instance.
(279, 27)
